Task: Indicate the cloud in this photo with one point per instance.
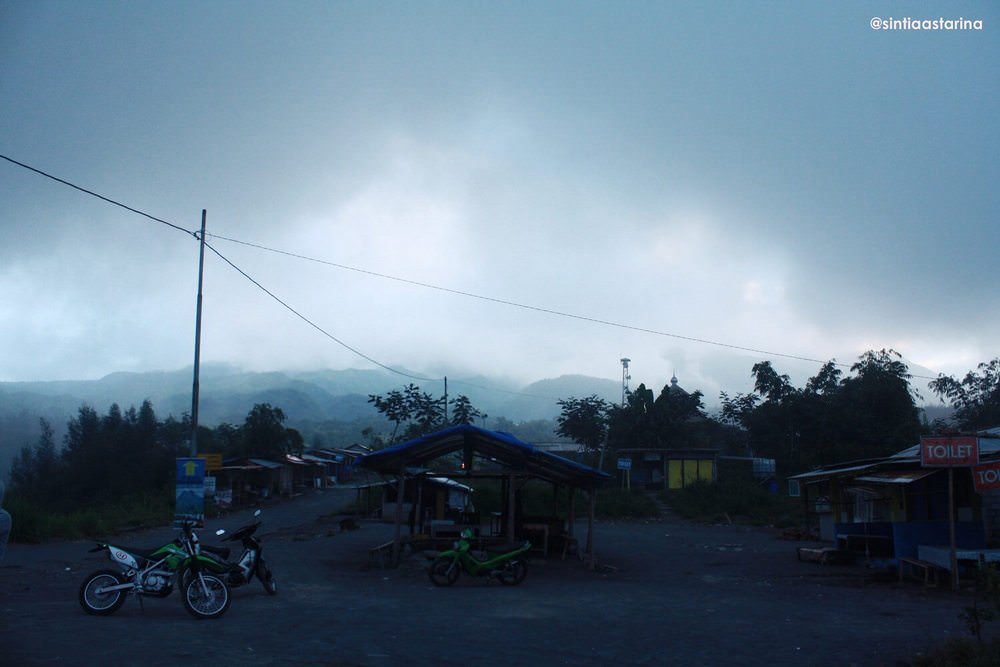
(787, 188)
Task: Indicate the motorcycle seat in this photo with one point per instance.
(144, 553)
(221, 552)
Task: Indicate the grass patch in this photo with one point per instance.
(33, 524)
(625, 504)
(960, 653)
(736, 501)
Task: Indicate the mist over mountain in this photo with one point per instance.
(311, 400)
(328, 407)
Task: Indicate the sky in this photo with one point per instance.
(780, 180)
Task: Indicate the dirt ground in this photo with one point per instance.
(672, 593)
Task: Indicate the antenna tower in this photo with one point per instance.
(625, 378)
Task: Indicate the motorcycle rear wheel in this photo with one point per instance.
(513, 573)
(98, 602)
(211, 601)
(444, 571)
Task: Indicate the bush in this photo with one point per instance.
(961, 653)
(738, 501)
(33, 523)
(616, 503)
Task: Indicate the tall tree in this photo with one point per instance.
(264, 434)
(414, 413)
(871, 413)
(675, 418)
(585, 422)
(976, 398)
(463, 412)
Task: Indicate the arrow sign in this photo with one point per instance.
(190, 471)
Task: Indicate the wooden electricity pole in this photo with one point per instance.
(197, 342)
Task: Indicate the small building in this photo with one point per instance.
(670, 468)
(890, 507)
(244, 481)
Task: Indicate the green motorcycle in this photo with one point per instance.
(152, 572)
(510, 567)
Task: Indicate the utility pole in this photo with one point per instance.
(445, 400)
(197, 342)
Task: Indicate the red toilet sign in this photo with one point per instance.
(949, 452)
(986, 477)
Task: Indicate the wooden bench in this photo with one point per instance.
(824, 555)
(915, 565)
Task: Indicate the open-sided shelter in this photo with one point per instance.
(466, 451)
(893, 507)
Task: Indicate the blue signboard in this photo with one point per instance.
(190, 495)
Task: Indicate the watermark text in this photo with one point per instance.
(940, 23)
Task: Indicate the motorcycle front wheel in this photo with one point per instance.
(513, 573)
(95, 600)
(444, 571)
(267, 578)
(206, 596)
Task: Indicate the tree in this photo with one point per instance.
(736, 411)
(976, 399)
(878, 412)
(414, 413)
(871, 413)
(463, 412)
(675, 418)
(826, 381)
(769, 384)
(264, 435)
(585, 421)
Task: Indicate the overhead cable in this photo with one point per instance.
(99, 196)
(472, 295)
(316, 326)
(515, 304)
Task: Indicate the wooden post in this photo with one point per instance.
(197, 341)
(571, 515)
(590, 526)
(418, 512)
(951, 528)
(397, 541)
(510, 508)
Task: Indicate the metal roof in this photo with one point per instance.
(264, 463)
(827, 473)
(896, 476)
(511, 453)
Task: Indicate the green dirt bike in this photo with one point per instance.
(510, 567)
(152, 572)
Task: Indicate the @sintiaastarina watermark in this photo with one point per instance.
(940, 23)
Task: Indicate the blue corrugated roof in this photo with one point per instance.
(520, 455)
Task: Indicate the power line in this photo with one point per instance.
(353, 349)
(195, 235)
(313, 324)
(538, 309)
(99, 196)
(472, 295)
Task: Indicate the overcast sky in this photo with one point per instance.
(775, 176)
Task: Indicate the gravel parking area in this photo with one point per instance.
(670, 592)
